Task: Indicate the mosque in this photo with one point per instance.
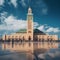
(30, 34)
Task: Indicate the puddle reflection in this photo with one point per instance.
(28, 50)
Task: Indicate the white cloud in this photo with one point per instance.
(52, 29)
(13, 24)
(3, 15)
(1, 2)
(42, 27)
(48, 29)
(23, 3)
(14, 2)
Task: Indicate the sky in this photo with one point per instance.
(46, 13)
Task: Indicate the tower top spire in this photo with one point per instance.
(29, 10)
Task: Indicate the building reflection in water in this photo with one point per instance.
(31, 49)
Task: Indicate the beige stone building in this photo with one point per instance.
(29, 33)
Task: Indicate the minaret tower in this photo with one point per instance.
(30, 24)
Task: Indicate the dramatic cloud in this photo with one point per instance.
(2, 17)
(13, 24)
(14, 2)
(52, 29)
(1, 2)
(49, 29)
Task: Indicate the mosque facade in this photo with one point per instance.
(29, 34)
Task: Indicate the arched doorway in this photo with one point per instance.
(29, 38)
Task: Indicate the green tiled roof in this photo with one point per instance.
(22, 31)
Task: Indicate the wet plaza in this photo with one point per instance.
(30, 51)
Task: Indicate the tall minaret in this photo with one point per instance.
(30, 24)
